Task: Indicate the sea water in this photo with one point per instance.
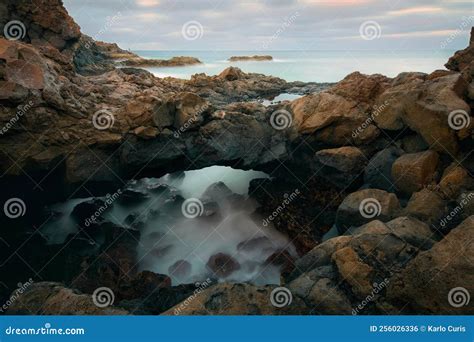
(307, 66)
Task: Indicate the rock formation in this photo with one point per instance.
(386, 162)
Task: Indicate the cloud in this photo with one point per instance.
(247, 24)
(415, 10)
(148, 3)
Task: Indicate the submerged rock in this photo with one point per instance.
(89, 212)
(181, 269)
(222, 265)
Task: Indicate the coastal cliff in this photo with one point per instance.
(72, 124)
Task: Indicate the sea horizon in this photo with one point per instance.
(321, 66)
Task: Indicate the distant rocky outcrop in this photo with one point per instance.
(250, 58)
(172, 62)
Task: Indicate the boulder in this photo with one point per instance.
(455, 179)
(341, 166)
(412, 172)
(222, 265)
(344, 159)
(427, 206)
(424, 106)
(183, 111)
(439, 280)
(319, 255)
(86, 210)
(365, 205)
(465, 202)
(328, 299)
(217, 192)
(354, 271)
(378, 172)
(231, 74)
(413, 231)
(181, 269)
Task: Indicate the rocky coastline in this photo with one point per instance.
(385, 162)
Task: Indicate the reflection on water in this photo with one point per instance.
(225, 241)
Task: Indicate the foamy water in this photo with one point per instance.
(228, 225)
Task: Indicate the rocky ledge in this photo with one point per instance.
(382, 221)
(250, 58)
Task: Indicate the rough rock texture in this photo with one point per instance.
(424, 285)
(333, 115)
(365, 205)
(427, 206)
(411, 172)
(73, 124)
(235, 299)
(378, 173)
(47, 298)
(340, 166)
(424, 106)
(462, 60)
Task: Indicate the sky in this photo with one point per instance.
(277, 24)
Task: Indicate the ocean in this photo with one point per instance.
(307, 66)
